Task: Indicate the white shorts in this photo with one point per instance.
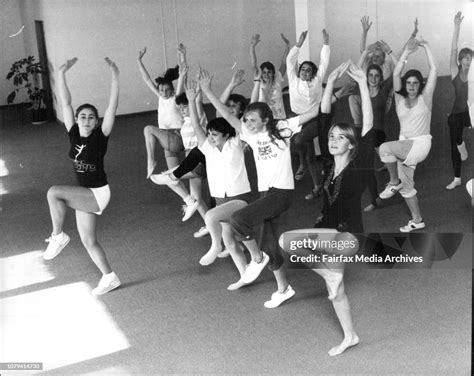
(419, 151)
(102, 196)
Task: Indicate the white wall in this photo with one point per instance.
(13, 48)
(216, 32)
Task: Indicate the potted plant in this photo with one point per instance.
(25, 74)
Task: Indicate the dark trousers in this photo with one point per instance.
(264, 212)
(457, 123)
(190, 163)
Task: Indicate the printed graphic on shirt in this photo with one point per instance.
(265, 151)
(79, 165)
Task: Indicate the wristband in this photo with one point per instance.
(389, 52)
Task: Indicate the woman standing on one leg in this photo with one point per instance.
(459, 117)
(306, 88)
(414, 102)
(270, 143)
(169, 118)
(88, 140)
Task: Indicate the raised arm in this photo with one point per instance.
(65, 95)
(257, 77)
(204, 80)
(432, 75)
(367, 114)
(282, 68)
(326, 99)
(410, 47)
(253, 55)
(145, 75)
(183, 73)
(192, 94)
(366, 24)
(388, 52)
(292, 58)
(324, 56)
(453, 62)
(470, 87)
(182, 55)
(109, 115)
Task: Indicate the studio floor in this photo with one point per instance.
(172, 315)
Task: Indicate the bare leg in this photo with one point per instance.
(152, 134)
(281, 280)
(236, 252)
(86, 225)
(414, 206)
(253, 249)
(195, 186)
(393, 171)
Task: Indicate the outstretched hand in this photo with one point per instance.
(255, 40)
(191, 88)
(384, 46)
(357, 74)
(366, 24)
(237, 78)
(285, 40)
(458, 18)
(421, 42)
(415, 30)
(112, 65)
(68, 64)
(411, 45)
(181, 49)
(141, 53)
(339, 71)
(325, 37)
(302, 38)
(204, 79)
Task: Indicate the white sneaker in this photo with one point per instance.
(279, 297)
(455, 183)
(189, 209)
(107, 283)
(236, 285)
(56, 245)
(254, 269)
(225, 253)
(390, 190)
(203, 231)
(411, 225)
(163, 179)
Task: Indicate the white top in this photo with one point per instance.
(190, 140)
(415, 121)
(272, 95)
(226, 171)
(273, 157)
(306, 95)
(169, 116)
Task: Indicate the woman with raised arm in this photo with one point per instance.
(459, 117)
(306, 89)
(192, 166)
(88, 144)
(343, 188)
(413, 103)
(228, 182)
(470, 104)
(270, 143)
(169, 117)
(271, 82)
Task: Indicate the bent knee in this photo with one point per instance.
(54, 192)
(148, 130)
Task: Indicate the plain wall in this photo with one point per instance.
(217, 35)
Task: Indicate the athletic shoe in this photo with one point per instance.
(203, 231)
(279, 297)
(107, 283)
(390, 190)
(189, 209)
(163, 179)
(56, 245)
(412, 226)
(455, 183)
(315, 192)
(254, 269)
(225, 253)
(300, 173)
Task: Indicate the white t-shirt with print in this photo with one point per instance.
(273, 157)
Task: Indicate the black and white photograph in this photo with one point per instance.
(236, 187)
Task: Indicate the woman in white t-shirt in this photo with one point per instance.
(270, 143)
(169, 117)
(271, 81)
